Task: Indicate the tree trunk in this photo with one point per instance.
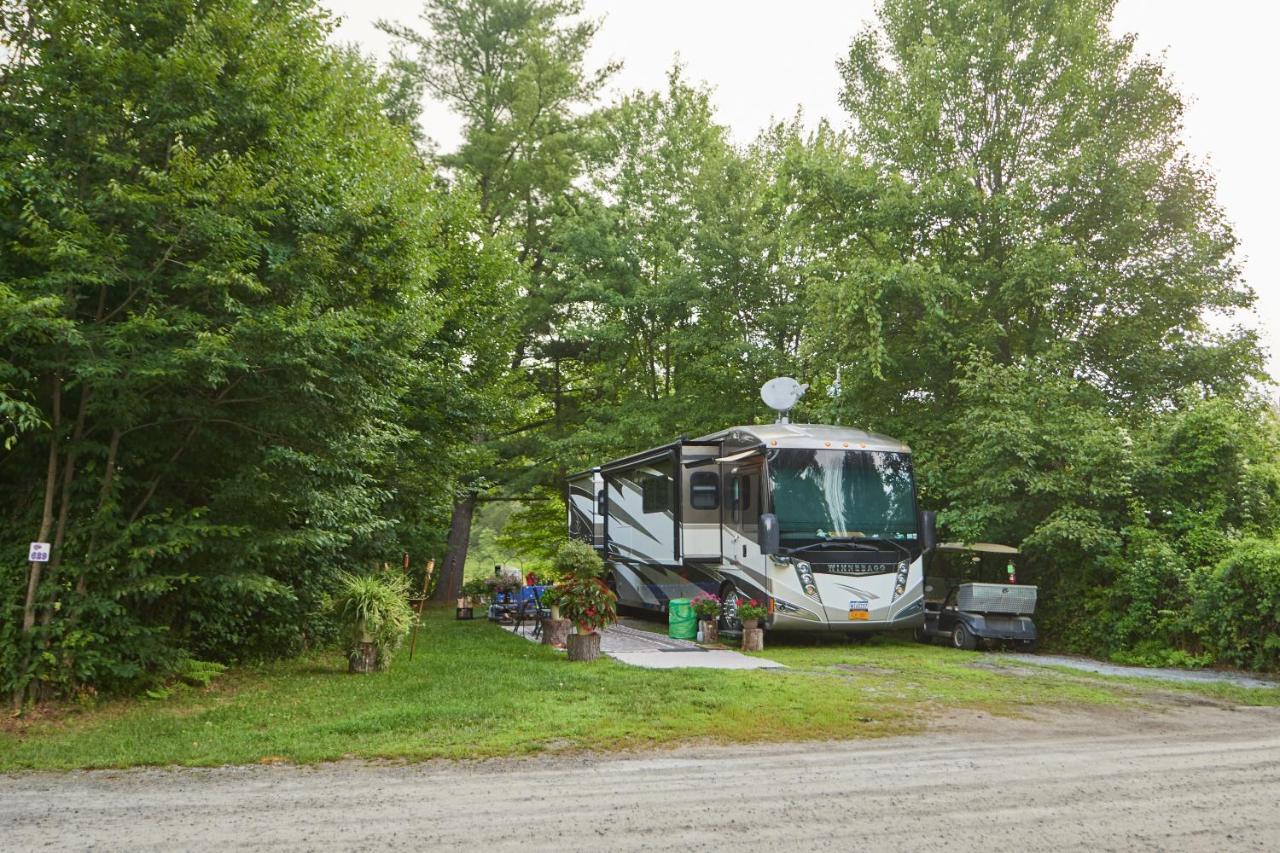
(753, 640)
(46, 518)
(555, 632)
(584, 647)
(455, 557)
(363, 660)
(46, 524)
(710, 630)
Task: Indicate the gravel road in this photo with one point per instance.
(1193, 778)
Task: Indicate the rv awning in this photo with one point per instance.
(740, 456)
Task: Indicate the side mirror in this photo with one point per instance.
(928, 530)
(770, 536)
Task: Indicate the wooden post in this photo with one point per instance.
(584, 647)
(555, 632)
(422, 602)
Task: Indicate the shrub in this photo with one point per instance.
(475, 588)
(551, 596)
(372, 609)
(1238, 608)
(577, 560)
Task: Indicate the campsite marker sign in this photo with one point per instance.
(39, 552)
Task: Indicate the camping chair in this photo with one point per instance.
(529, 606)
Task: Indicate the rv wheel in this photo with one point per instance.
(962, 638)
(729, 607)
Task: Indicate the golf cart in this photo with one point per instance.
(972, 598)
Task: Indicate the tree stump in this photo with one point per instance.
(584, 647)
(363, 660)
(710, 630)
(555, 632)
(753, 640)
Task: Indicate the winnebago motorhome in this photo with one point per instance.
(818, 522)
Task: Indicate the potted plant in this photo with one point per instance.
(750, 613)
(499, 589)
(374, 617)
(555, 628)
(583, 598)
(707, 607)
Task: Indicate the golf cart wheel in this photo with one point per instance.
(729, 620)
(920, 635)
(1027, 647)
(962, 638)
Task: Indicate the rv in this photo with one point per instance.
(819, 523)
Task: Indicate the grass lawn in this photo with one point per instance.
(474, 690)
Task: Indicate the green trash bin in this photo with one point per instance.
(682, 624)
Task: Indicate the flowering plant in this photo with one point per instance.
(497, 585)
(707, 606)
(751, 609)
(588, 603)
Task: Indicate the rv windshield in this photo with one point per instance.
(820, 494)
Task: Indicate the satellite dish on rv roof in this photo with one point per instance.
(781, 395)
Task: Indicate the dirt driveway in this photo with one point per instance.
(1187, 778)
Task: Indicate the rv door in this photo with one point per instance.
(741, 507)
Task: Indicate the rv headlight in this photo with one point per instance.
(900, 582)
(804, 573)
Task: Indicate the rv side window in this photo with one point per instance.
(656, 493)
(704, 490)
(746, 493)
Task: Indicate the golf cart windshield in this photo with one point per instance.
(834, 494)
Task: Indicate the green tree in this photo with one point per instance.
(1019, 269)
(221, 264)
(1037, 202)
(515, 72)
(682, 296)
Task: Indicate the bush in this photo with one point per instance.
(475, 588)
(372, 609)
(577, 560)
(1238, 606)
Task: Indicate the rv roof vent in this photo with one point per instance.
(781, 395)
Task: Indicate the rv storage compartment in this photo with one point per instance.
(996, 598)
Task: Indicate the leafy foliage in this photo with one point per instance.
(578, 561)
(1238, 612)
(372, 608)
(236, 302)
(587, 603)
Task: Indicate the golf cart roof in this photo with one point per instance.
(979, 547)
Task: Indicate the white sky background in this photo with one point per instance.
(766, 58)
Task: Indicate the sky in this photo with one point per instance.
(766, 59)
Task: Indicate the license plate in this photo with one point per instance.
(859, 611)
